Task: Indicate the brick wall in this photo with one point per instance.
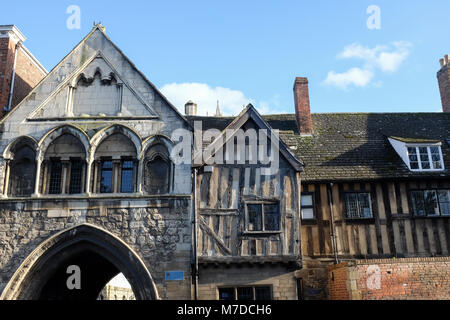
(27, 74)
(6, 63)
(391, 279)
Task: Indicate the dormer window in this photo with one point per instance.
(419, 154)
(425, 158)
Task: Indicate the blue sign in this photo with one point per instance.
(174, 275)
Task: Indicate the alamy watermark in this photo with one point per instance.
(374, 20)
(74, 20)
(74, 280)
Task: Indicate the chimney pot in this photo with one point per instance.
(302, 106)
(441, 61)
(190, 108)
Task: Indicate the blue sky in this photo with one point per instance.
(251, 51)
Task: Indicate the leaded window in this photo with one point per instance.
(76, 175)
(431, 202)
(425, 158)
(55, 177)
(127, 181)
(246, 293)
(263, 216)
(358, 205)
(106, 182)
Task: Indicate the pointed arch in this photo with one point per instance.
(55, 133)
(152, 140)
(158, 168)
(20, 167)
(35, 271)
(103, 134)
(9, 151)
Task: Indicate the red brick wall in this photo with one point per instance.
(26, 77)
(338, 281)
(392, 279)
(6, 64)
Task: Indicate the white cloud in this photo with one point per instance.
(387, 59)
(231, 101)
(355, 76)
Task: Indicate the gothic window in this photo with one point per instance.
(22, 172)
(116, 165)
(64, 166)
(127, 180)
(157, 170)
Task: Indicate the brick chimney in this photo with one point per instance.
(443, 76)
(20, 71)
(302, 106)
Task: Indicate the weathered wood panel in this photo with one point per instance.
(393, 230)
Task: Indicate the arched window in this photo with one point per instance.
(116, 165)
(64, 166)
(22, 167)
(158, 168)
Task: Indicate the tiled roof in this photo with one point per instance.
(355, 146)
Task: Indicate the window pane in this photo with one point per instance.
(55, 177)
(364, 205)
(254, 217)
(424, 159)
(157, 181)
(263, 293)
(418, 203)
(431, 205)
(436, 157)
(307, 213)
(413, 159)
(226, 294)
(127, 177)
(444, 201)
(351, 201)
(75, 177)
(271, 217)
(245, 293)
(307, 200)
(106, 182)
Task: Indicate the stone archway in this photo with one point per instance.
(100, 256)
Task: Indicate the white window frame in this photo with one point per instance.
(430, 160)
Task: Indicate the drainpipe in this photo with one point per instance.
(333, 234)
(194, 222)
(13, 77)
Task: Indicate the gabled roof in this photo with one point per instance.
(96, 28)
(235, 124)
(355, 146)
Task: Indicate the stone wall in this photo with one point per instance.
(159, 231)
(391, 279)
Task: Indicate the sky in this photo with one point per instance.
(359, 56)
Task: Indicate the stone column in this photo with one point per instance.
(39, 159)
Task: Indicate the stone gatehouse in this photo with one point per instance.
(88, 179)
